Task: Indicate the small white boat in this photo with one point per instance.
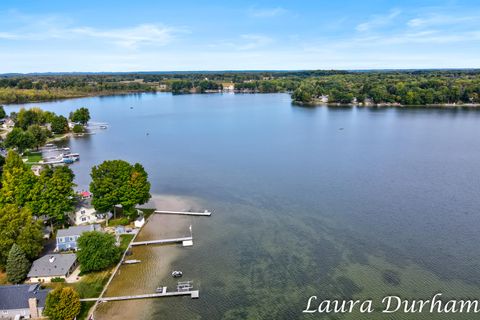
(177, 274)
(131, 261)
(103, 127)
(73, 156)
(160, 290)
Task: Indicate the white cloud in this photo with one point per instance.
(8, 36)
(439, 20)
(131, 37)
(379, 21)
(36, 28)
(266, 12)
(245, 42)
(254, 41)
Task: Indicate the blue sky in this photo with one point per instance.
(141, 35)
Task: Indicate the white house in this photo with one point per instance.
(9, 123)
(323, 98)
(85, 213)
(228, 86)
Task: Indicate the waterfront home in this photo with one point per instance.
(85, 194)
(228, 86)
(67, 238)
(8, 123)
(52, 266)
(85, 213)
(323, 98)
(23, 300)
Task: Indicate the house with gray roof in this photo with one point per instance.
(52, 266)
(23, 300)
(67, 238)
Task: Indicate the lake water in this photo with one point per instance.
(333, 202)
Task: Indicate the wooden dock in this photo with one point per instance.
(194, 294)
(161, 241)
(206, 213)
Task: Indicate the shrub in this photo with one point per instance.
(78, 128)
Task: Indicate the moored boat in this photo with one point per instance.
(177, 274)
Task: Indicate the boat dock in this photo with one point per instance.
(184, 288)
(195, 294)
(161, 241)
(206, 213)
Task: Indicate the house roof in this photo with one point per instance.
(16, 297)
(52, 265)
(85, 194)
(77, 230)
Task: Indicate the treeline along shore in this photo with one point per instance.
(333, 87)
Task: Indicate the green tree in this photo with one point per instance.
(49, 116)
(17, 265)
(78, 128)
(81, 116)
(18, 226)
(28, 117)
(59, 125)
(53, 193)
(3, 114)
(97, 251)
(19, 139)
(39, 135)
(118, 182)
(62, 304)
(17, 181)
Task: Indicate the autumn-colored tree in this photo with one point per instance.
(62, 304)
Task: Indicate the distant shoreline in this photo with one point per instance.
(79, 96)
(294, 102)
(388, 105)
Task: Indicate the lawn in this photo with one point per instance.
(126, 220)
(90, 286)
(125, 240)
(33, 157)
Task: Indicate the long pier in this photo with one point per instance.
(193, 294)
(161, 241)
(185, 213)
